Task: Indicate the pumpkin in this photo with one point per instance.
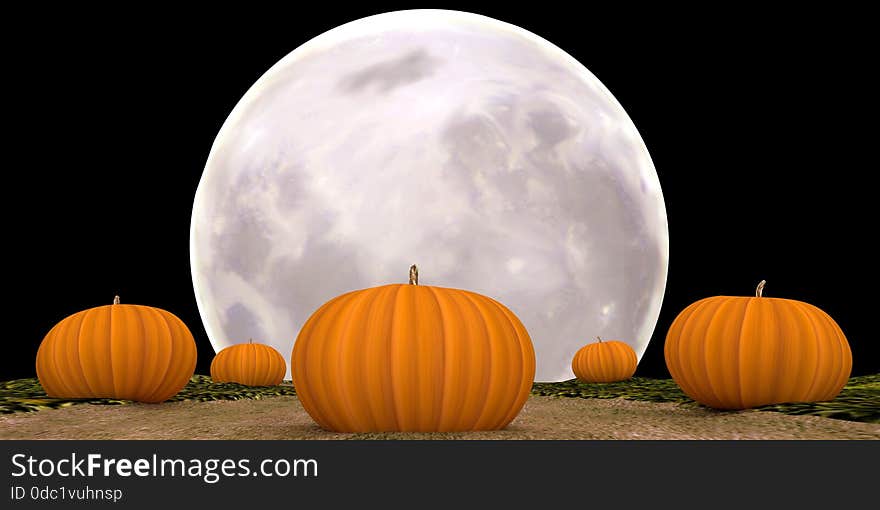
(742, 352)
(604, 362)
(413, 358)
(249, 364)
(129, 352)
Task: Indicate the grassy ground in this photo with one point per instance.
(24, 395)
(541, 418)
(859, 400)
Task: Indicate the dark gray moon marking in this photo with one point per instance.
(388, 75)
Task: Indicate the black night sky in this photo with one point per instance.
(749, 118)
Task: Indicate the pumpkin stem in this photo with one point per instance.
(115, 300)
(759, 292)
(599, 339)
(413, 275)
(250, 340)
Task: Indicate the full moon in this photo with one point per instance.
(475, 149)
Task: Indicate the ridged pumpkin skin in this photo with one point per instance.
(742, 352)
(605, 361)
(413, 358)
(130, 352)
(249, 364)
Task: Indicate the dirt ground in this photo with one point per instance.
(541, 418)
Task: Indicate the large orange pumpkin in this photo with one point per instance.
(604, 362)
(249, 364)
(130, 352)
(741, 352)
(413, 358)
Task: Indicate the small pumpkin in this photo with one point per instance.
(742, 352)
(413, 358)
(130, 352)
(249, 364)
(604, 361)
